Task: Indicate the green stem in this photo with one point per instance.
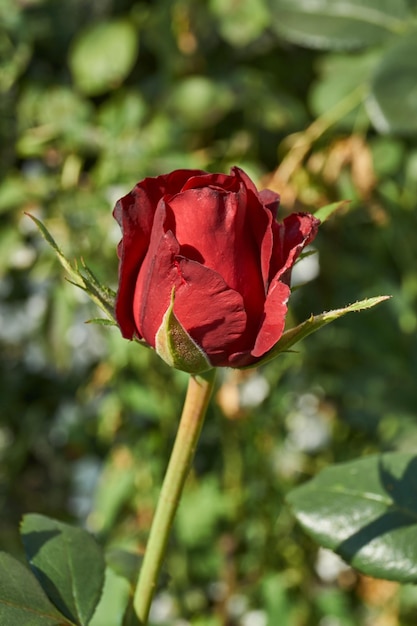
(195, 406)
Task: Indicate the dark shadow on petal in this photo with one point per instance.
(189, 252)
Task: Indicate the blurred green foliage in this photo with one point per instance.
(316, 100)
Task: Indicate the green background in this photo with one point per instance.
(315, 100)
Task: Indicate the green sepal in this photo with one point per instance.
(101, 321)
(293, 335)
(175, 346)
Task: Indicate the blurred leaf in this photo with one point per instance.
(344, 78)
(327, 211)
(68, 563)
(125, 564)
(10, 15)
(338, 24)
(111, 608)
(276, 601)
(115, 489)
(264, 104)
(103, 55)
(22, 600)
(241, 22)
(15, 61)
(122, 113)
(44, 115)
(200, 101)
(366, 511)
(387, 155)
(201, 509)
(392, 102)
(12, 193)
(333, 604)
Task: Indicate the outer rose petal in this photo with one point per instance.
(212, 227)
(211, 312)
(134, 214)
(271, 329)
(262, 222)
(274, 319)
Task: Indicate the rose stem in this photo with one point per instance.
(198, 395)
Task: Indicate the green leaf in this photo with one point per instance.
(338, 24)
(392, 102)
(200, 101)
(84, 279)
(115, 598)
(103, 56)
(327, 211)
(22, 600)
(241, 22)
(116, 604)
(68, 563)
(293, 335)
(366, 511)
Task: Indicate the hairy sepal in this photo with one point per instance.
(176, 347)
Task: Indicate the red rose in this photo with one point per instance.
(205, 267)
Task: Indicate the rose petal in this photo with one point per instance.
(211, 312)
(134, 214)
(270, 200)
(273, 323)
(244, 178)
(219, 181)
(294, 233)
(262, 222)
(211, 227)
(172, 183)
(270, 331)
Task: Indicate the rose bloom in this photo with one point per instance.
(209, 246)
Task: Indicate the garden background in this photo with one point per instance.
(316, 100)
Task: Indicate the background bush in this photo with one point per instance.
(317, 101)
